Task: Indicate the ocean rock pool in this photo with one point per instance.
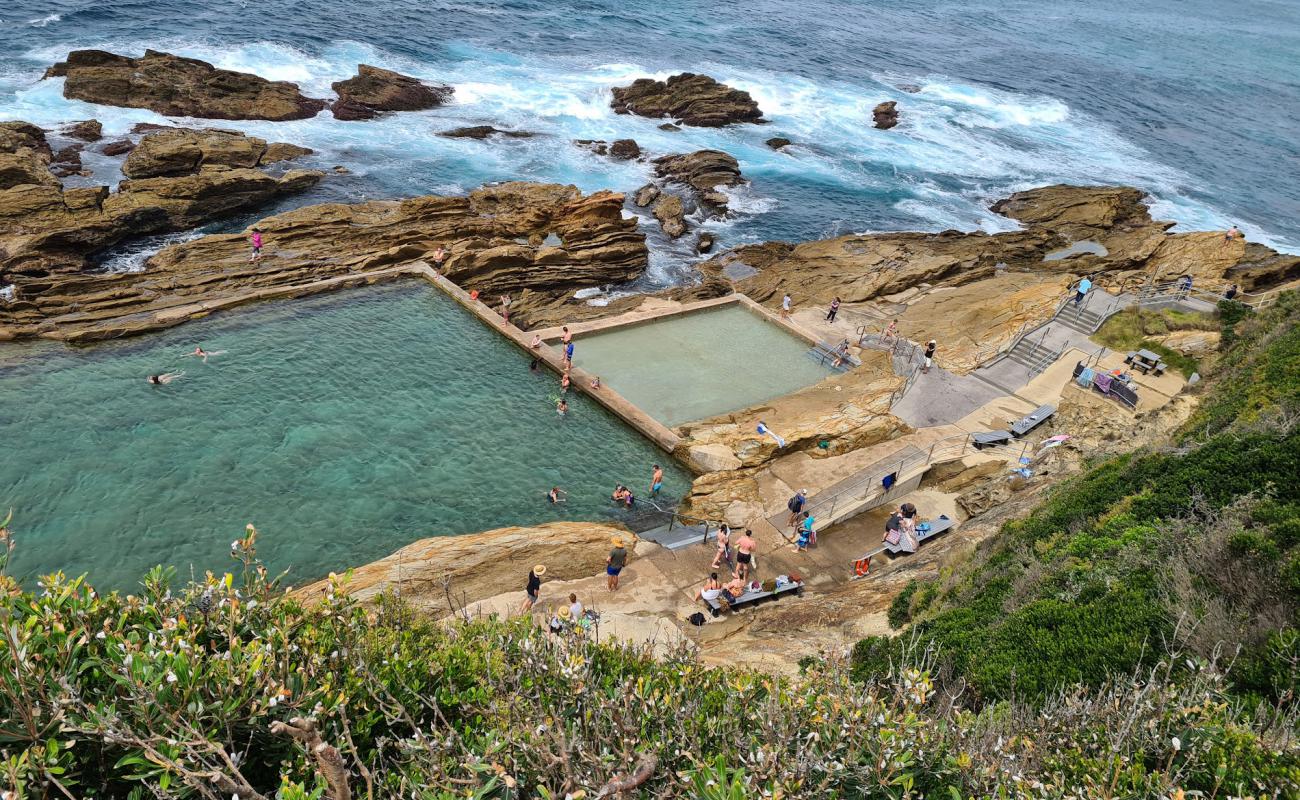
(699, 364)
(342, 426)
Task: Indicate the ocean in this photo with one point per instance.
(1192, 100)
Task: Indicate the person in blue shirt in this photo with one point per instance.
(806, 533)
(1081, 290)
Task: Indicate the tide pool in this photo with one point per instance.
(342, 426)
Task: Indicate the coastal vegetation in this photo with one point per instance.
(1189, 552)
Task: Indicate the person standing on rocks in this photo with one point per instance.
(256, 239)
(505, 307)
(614, 564)
(745, 547)
(835, 309)
(724, 547)
(439, 256)
(806, 533)
(786, 302)
(930, 347)
(1231, 294)
(533, 589)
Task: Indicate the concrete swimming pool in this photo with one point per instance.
(344, 426)
(699, 363)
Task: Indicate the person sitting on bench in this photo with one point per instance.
(711, 588)
(732, 591)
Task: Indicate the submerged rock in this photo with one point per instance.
(90, 130)
(777, 142)
(118, 147)
(704, 243)
(691, 99)
(374, 91)
(646, 195)
(885, 115)
(624, 149)
(483, 132)
(179, 87)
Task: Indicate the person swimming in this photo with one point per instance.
(164, 378)
(532, 365)
(562, 407)
(199, 352)
(555, 495)
(564, 382)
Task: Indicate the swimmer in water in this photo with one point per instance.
(554, 495)
(204, 354)
(532, 365)
(564, 382)
(562, 407)
(164, 378)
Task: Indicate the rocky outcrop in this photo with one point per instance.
(87, 131)
(374, 91)
(179, 87)
(67, 161)
(501, 239)
(48, 232)
(671, 214)
(885, 115)
(483, 132)
(862, 268)
(778, 142)
(183, 151)
(703, 171)
(479, 565)
(646, 195)
(117, 147)
(704, 243)
(619, 149)
(688, 98)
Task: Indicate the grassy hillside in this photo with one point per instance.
(1192, 551)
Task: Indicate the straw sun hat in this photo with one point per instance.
(565, 613)
(617, 541)
(539, 570)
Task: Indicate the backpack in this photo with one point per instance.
(795, 503)
(696, 619)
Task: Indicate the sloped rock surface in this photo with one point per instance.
(374, 91)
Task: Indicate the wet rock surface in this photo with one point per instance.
(183, 151)
(374, 91)
(688, 98)
(180, 87)
(484, 132)
(885, 115)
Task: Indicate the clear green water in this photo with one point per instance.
(343, 426)
(698, 365)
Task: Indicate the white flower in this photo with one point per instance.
(171, 677)
(1178, 745)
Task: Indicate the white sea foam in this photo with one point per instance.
(43, 21)
(957, 147)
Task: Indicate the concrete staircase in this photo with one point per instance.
(1029, 353)
(1080, 318)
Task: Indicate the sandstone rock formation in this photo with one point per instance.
(483, 132)
(183, 151)
(704, 171)
(48, 232)
(117, 147)
(374, 91)
(179, 87)
(671, 214)
(885, 115)
(497, 238)
(620, 149)
(90, 130)
(646, 195)
(862, 268)
(479, 565)
(690, 99)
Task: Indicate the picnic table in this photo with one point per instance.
(1030, 421)
(862, 565)
(751, 596)
(1146, 361)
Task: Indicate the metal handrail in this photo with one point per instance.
(1046, 361)
(948, 448)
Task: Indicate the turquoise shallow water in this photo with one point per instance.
(699, 365)
(343, 426)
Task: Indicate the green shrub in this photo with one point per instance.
(900, 610)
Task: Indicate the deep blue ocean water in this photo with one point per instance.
(1193, 100)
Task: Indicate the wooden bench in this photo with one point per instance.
(937, 526)
(1030, 421)
(751, 596)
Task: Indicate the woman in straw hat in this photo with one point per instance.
(614, 564)
(533, 588)
(561, 620)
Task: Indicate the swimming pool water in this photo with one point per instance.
(700, 364)
(343, 426)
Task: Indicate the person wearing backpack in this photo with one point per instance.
(796, 504)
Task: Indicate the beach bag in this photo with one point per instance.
(795, 577)
(696, 619)
(769, 585)
(892, 537)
